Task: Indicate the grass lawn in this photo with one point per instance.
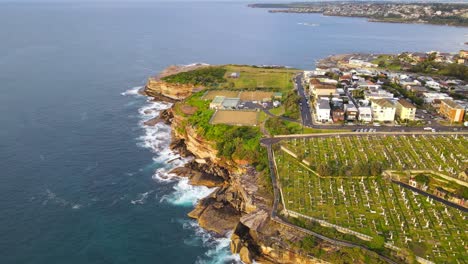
(258, 78)
(387, 59)
(277, 111)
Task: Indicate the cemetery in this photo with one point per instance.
(372, 205)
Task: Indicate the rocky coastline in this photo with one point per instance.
(238, 207)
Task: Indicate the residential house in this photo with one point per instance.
(418, 90)
(345, 79)
(405, 110)
(433, 85)
(463, 54)
(338, 114)
(318, 89)
(451, 110)
(430, 97)
(383, 110)
(409, 82)
(322, 109)
(351, 112)
(365, 114)
(373, 93)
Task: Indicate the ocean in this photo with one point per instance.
(80, 175)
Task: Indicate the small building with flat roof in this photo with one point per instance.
(230, 103)
(217, 102)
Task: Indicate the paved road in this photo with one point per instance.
(308, 121)
(304, 105)
(272, 140)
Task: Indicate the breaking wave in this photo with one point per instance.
(185, 194)
(157, 140)
(218, 247)
(132, 91)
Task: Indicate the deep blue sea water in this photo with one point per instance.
(78, 172)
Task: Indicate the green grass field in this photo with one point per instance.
(260, 78)
(375, 206)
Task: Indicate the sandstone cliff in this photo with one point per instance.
(159, 89)
(238, 205)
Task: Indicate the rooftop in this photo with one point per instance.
(406, 104)
(324, 104)
(231, 102)
(383, 102)
(451, 103)
(218, 99)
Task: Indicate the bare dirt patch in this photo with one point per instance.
(255, 95)
(238, 118)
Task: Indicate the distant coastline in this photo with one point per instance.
(409, 13)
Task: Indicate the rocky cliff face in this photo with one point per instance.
(237, 206)
(157, 88)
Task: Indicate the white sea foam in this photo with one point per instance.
(185, 194)
(142, 197)
(132, 91)
(308, 24)
(195, 64)
(157, 140)
(52, 198)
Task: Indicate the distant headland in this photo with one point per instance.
(454, 14)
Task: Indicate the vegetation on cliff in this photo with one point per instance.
(231, 142)
(207, 76)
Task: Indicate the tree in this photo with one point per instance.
(422, 179)
(323, 169)
(377, 243)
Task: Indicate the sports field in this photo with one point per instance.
(255, 96)
(238, 118)
(258, 78)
